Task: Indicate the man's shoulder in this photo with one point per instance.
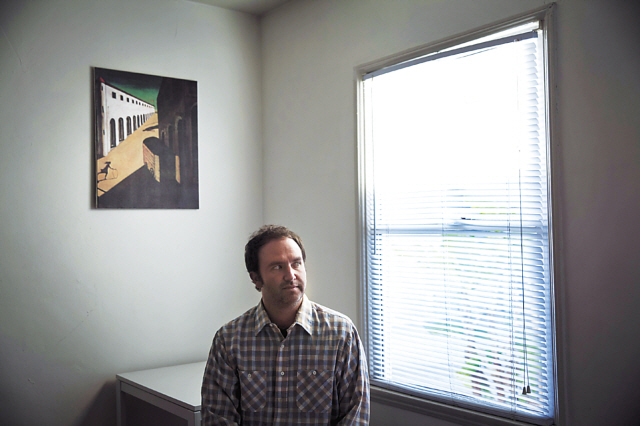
(247, 319)
(331, 316)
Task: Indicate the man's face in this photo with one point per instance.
(283, 277)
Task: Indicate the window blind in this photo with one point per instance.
(458, 288)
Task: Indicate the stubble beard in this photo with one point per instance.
(290, 300)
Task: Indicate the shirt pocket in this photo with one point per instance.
(253, 390)
(314, 390)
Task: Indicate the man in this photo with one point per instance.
(287, 361)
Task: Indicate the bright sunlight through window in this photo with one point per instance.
(458, 287)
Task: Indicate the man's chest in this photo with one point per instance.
(299, 351)
(286, 379)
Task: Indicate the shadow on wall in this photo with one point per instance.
(102, 411)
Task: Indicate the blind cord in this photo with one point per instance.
(526, 387)
(511, 303)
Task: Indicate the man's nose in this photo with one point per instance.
(289, 273)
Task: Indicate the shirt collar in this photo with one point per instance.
(304, 317)
(262, 318)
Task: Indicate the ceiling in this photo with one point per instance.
(255, 7)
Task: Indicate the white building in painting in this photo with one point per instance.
(120, 114)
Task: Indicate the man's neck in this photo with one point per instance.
(282, 317)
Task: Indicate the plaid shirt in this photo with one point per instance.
(317, 375)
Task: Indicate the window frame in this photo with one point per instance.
(426, 406)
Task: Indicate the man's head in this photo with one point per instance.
(259, 239)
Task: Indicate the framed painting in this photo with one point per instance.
(146, 141)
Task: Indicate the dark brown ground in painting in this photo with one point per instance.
(132, 185)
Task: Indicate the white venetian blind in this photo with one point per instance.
(456, 223)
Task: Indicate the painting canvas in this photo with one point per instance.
(146, 141)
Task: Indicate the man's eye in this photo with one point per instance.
(276, 267)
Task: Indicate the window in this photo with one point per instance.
(121, 129)
(455, 213)
(112, 133)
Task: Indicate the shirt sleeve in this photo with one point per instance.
(220, 387)
(353, 384)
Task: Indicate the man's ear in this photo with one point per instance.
(255, 278)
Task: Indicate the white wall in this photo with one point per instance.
(86, 294)
(310, 50)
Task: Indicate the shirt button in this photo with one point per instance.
(313, 372)
(249, 375)
(281, 346)
(282, 373)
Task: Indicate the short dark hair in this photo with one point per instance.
(262, 236)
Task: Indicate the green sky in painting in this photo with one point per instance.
(142, 86)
